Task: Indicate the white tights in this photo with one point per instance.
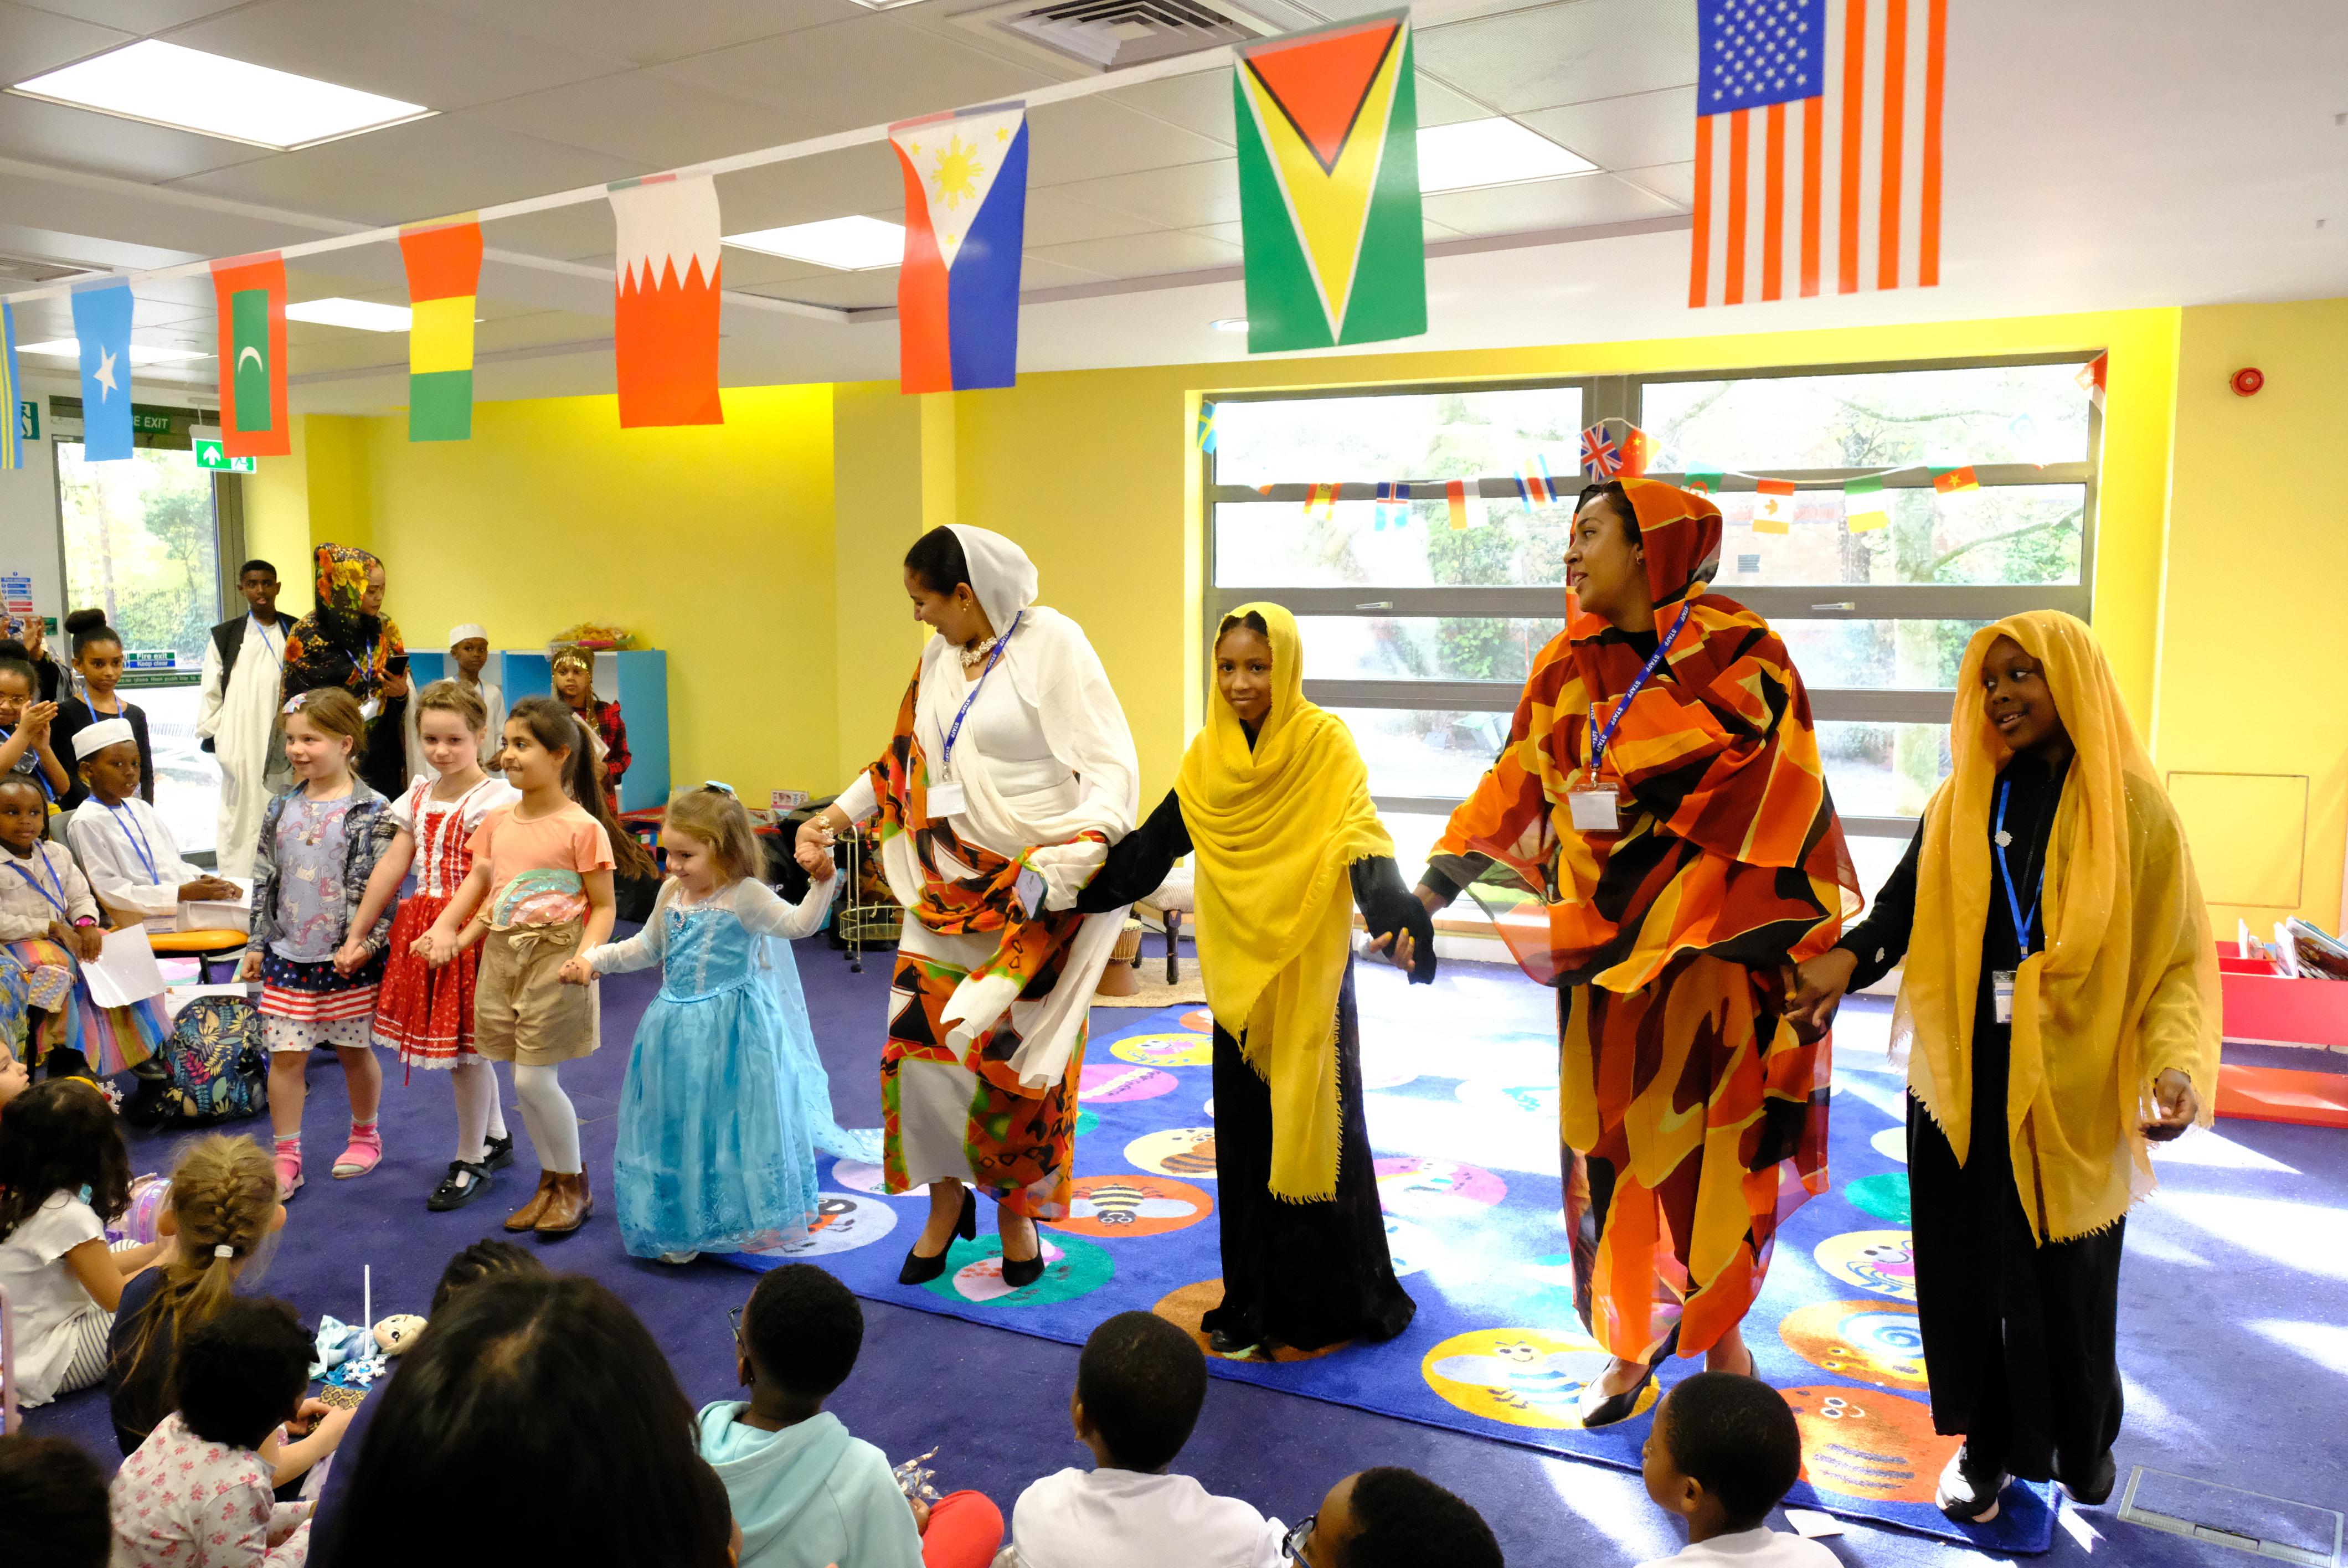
(552, 1121)
(480, 1115)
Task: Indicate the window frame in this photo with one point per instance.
(1622, 397)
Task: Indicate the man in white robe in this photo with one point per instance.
(245, 662)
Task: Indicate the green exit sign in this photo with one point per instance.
(211, 454)
(29, 420)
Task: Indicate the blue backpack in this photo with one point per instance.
(214, 1069)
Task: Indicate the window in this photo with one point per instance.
(1420, 636)
(142, 543)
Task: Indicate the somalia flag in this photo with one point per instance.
(965, 220)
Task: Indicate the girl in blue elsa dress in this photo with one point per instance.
(726, 1103)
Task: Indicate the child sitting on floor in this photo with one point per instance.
(1139, 1385)
(1722, 1450)
(64, 1175)
(197, 1492)
(804, 1493)
(1392, 1518)
(53, 1496)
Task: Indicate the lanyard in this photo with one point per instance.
(56, 900)
(275, 648)
(1598, 742)
(2020, 922)
(945, 762)
(136, 837)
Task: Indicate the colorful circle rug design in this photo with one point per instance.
(1874, 1342)
(843, 1223)
(1493, 1096)
(1434, 1189)
(1881, 1261)
(1864, 1443)
(1201, 1019)
(1892, 1144)
(1175, 1152)
(1884, 1196)
(1187, 1308)
(858, 1176)
(1086, 1121)
(1071, 1269)
(1165, 1050)
(1525, 1377)
(1412, 1247)
(1116, 1084)
(1115, 1207)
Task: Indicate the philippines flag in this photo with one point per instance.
(1843, 191)
(965, 222)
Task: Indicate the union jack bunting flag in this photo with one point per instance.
(1602, 455)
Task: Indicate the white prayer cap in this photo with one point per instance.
(465, 633)
(98, 736)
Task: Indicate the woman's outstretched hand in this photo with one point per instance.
(1818, 989)
(2173, 1097)
(1400, 948)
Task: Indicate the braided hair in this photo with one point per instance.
(224, 1203)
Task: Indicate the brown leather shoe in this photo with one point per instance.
(567, 1206)
(526, 1217)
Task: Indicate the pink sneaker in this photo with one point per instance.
(288, 1173)
(363, 1153)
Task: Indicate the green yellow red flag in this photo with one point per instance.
(444, 279)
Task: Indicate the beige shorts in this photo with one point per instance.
(521, 1012)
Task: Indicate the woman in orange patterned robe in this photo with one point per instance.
(1703, 858)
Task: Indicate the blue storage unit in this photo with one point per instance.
(424, 668)
(638, 679)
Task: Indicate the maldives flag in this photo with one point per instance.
(248, 294)
(667, 294)
(965, 224)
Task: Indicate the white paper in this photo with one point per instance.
(125, 972)
(220, 915)
(1810, 1524)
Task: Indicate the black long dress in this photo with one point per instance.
(1301, 1275)
(2019, 1338)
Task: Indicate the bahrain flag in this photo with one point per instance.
(965, 222)
(667, 288)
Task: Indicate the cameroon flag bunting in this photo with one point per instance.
(249, 292)
(1328, 151)
(444, 276)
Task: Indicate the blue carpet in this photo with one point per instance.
(2233, 1315)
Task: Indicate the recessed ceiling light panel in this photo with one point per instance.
(849, 244)
(187, 89)
(364, 315)
(140, 353)
(1228, 323)
(1481, 152)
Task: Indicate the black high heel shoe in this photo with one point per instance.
(1604, 1412)
(1017, 1273)
(919, 1270)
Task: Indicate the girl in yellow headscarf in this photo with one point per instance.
(1274, 802)
(2059, 1009)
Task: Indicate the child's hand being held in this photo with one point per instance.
(436, 947)
(575, 972)
(815, 861)
(350, 956)
(249, 969)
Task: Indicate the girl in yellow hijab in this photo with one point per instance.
(2059, 1010)
(1274, 802)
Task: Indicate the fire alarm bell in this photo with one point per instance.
(2247, 380)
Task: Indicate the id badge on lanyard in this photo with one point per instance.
(1595, 804)
(2000, 990)
(1596, 808)
(946, 799)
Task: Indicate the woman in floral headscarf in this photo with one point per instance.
(1656, 842)
(349, 641)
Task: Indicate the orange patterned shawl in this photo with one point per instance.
(1731, 845)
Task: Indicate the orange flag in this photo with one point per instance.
(667, 295)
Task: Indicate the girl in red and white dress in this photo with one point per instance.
(427, 1014)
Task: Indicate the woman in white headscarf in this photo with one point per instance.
(1010, 774)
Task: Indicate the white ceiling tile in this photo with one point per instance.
(633, 114)
(1181, 198)
(1087, 138)
(425, 169)
(1585, 200)
(858, 72)
(104, 144)
(536, 329)
(855, 180)
(1145, 255)
(139, 17)
(1199, 103)
(847, 290)
(649, 35)
(32, 42)
(395, 48)
(1055, 218)
(1035, 272)
(1565, 54)
(1441, 105)
(760, 273)
(1626, 132)
(1674, 182)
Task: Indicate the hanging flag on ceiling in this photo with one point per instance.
(1329, 208)
(11, 439)
(1455, 496)
(1602, 457)
(249, 292)
(1638, 453)
(102, 317)
(1950, 481)
(1842, 191)
(965, 224)
(444, 278)
(2091, 377)
(1206, 428)
(667, 286)
(1862, 505)
(1773, 513)
(1703, 484)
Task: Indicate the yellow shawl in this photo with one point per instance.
(1276, 829)
(2126, 986)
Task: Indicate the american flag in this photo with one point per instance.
(1843, 191)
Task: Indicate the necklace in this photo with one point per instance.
(974, 654)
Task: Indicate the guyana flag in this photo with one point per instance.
(444, 275)
(249, 292)
(1328, 151)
